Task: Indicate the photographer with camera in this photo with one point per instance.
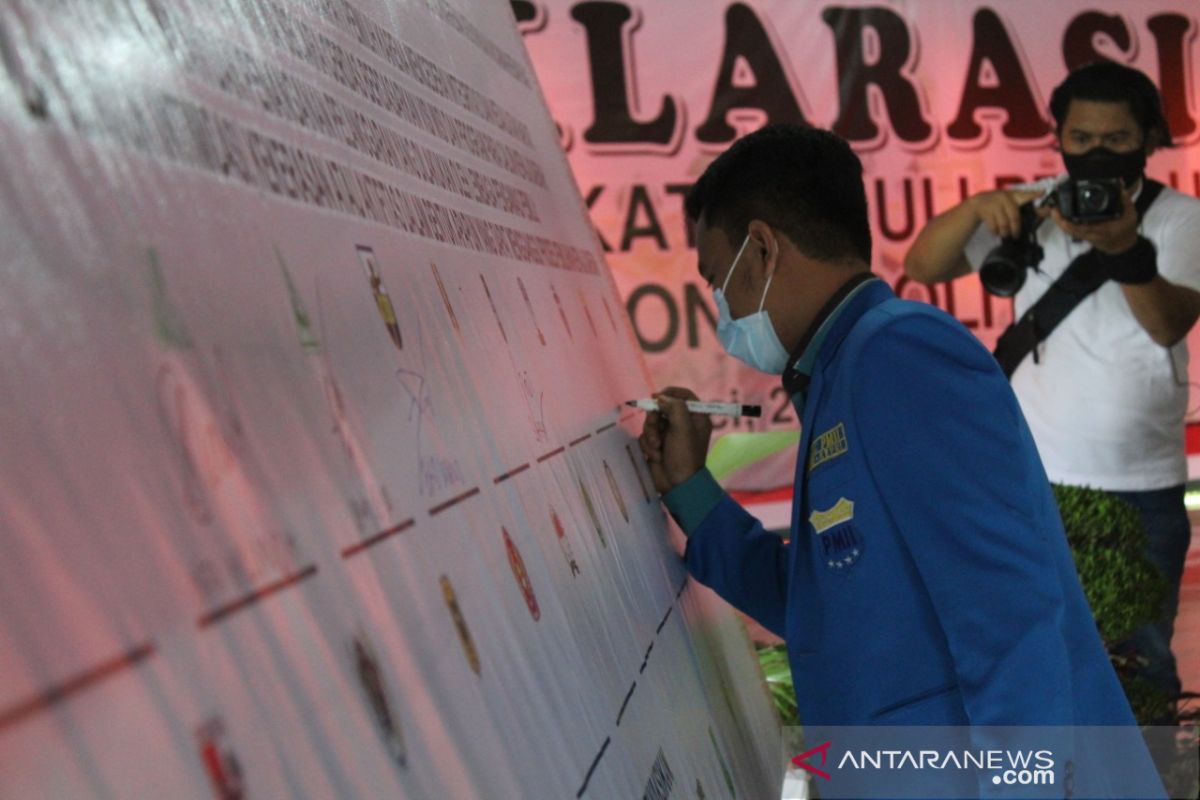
(1104, 268)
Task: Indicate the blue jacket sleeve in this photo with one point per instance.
(950, 455)
(729, 551)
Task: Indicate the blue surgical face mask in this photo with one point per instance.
(752, 338)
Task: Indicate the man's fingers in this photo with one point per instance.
(658, 476)
(1010, 220)
(1017, 198)
(653, 455)
(1000, 210)
(1002, 217)
(651, 440)
(653, 424)
(1076, 232)
(674, 409)
(680, 392)
(1022, 196)
(995, 225)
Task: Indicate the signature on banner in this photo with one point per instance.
(535, 407)
(434, 473)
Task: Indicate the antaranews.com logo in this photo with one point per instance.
(948, 762)
(1008, 767)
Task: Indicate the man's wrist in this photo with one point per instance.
(1116, 248)
(1136, 264)
(693, 500)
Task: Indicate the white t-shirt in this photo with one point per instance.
(1105, 403)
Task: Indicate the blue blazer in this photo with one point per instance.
(928, 579)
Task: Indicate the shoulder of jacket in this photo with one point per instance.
(897, 312)
(897, 325)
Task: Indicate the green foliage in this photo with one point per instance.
(1106, 537)
(778, 673)
(1124, 590)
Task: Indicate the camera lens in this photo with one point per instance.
(1003, 270)
(1003, 273)
(1091, 199)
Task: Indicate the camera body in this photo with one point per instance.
(1087, 200)
(1079, 200)
(1003, 270)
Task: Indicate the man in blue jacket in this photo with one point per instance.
(927, 580)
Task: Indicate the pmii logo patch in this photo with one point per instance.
(842, 548)
(841, 543)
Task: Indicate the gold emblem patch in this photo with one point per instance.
(829, 445)
(842, 511)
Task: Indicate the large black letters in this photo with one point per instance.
(858, 70)
(1010, 90)
(613, 121)
(746, 41)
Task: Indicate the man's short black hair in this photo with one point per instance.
(803, 181)
(1109, 82)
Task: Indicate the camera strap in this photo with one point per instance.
(1082, 276)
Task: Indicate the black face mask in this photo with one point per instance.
(1100, 162)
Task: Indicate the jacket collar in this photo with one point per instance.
(835, 319)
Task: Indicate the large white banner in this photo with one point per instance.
(315, 481)
(940, 99)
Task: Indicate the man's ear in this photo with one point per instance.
(1155, 139)
(765, 242)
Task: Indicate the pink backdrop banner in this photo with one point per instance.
(939, 99)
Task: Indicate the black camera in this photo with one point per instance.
(1093, 200)
(1003, 270)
